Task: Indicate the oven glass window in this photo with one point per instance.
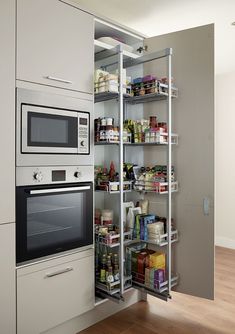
(53, 220)
(49, 130)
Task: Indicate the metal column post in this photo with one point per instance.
(169, 164)
(121, 227)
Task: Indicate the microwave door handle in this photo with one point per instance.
(58, 190)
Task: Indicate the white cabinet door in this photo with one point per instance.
(7, 288)
(50, 296)
(193, 120)
(55, 45)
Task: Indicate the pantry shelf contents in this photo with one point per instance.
(134, 232)
(140, 90)
(148, 268)
(144, 131)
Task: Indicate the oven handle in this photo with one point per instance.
(58, 190)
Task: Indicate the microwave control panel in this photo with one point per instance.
(83, 133)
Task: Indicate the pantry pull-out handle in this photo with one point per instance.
(59, 272)
(49, 77)
(206, 206)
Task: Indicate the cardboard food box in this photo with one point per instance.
(157, 260)
(141, 262)
(137, 277)
(134, 257)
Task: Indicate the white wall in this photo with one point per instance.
(225, 159)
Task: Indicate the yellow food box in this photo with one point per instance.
(157, 260)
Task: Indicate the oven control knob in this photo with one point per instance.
(77, 174)
(37, 176)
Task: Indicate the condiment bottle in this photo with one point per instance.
(112, 171)
(115, 259)
(97, 129)
(109, 129)
(109, 276)
(103, 130)
(103, 269)
(116, 272)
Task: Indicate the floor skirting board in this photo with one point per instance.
(225, 242)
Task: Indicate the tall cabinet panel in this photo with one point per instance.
(54, 45)
(193, 116)
(7, 111)
(7, 289)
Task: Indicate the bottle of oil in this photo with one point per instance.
(103, 269)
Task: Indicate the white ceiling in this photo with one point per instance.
(156, 17)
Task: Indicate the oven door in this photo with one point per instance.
(52, 219)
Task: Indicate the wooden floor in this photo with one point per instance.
(183, 314)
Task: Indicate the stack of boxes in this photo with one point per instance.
(148, 268)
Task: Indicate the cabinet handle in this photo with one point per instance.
(58, 79)
(59, 272)
(206, 206)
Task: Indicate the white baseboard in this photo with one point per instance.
(225, 242)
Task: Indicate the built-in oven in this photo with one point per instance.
(54, 210)
(53, 129)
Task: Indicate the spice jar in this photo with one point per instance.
(153, 121)
(109, 133)
(116, 134)
(107, 217)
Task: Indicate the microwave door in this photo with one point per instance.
(47, 130)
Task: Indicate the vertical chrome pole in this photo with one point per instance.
(121, 227)
(169, 164)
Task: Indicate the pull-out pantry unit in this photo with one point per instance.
(154, 165)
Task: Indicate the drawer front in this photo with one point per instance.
(49, 297)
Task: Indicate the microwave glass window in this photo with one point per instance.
(49, 130)
(53, 220)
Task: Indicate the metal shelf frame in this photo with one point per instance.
(122, 101)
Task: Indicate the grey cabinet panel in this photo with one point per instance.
(193, 120)
(55, 291)
(55, 45)
(7, 111)
(7, 289)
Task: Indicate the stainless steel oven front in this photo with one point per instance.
(54, 210)
(53, 129)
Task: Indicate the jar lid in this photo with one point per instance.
(103, 121)
(109, 121)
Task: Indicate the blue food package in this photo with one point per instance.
(137, 80)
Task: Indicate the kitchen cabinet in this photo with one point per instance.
(7, 112)
(54, 291)
(54, 45)
(7, 289)
(192, 207)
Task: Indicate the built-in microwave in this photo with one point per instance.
(53, 129)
